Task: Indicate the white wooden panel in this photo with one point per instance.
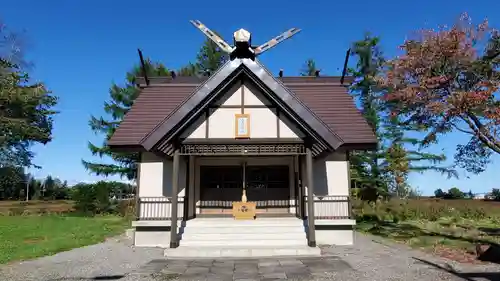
(262, 123)
(221, 123)
(252, 98)
(199, 132)
(234, 97)
(286, 132)
(150, 175)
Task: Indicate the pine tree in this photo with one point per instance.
(209, 59)
(402, 155)
(309, 68)
(121, 100)
(387, 168)
(370, 60)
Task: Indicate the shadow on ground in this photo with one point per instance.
(490, 231)
(422, 237)
(105, 277)
(492, 276)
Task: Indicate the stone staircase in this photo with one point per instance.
(226, 237)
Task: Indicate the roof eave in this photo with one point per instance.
(126, 148)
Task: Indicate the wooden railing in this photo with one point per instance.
(159, 208)
(225, 204)
(330, 207)
(325, 207)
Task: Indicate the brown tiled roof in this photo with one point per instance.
(326, 98)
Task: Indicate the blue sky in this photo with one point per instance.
(80, 47)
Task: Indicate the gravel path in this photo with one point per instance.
(379, 260)
(366, 260)
(105, 261)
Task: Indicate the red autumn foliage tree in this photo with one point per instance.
(444, 83)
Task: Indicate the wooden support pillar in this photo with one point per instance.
(174, 241)
(298, 192)
(310, 199)
(137, 185)
(192, 196)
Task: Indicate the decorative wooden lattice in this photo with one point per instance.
(239, 149)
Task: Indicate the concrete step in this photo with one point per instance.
(243, 223)
(244, 243)
(239, 252)
(237, 235)
(243, 229)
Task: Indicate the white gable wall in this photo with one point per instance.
(264, 120)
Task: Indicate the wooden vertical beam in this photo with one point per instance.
(137, 185)
(192, 194)
(174, 242)
(296, 185)
(302, 193)
(348, 158)
(310, 199)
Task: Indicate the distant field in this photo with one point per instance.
(27, 237)
(35, 207)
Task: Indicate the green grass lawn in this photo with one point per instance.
(26, 237)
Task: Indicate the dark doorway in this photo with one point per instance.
(266, 185)
(220, 186)
(269, 186)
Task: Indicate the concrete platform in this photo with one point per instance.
(241, 252)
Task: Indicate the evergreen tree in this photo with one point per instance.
(309, 68)
(209, 59)
(402, 156)
(121, 100)
(387, 168)
(370, 60)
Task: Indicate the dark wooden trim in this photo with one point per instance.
(187, 191)
(296, 185)
(242, 154)
(152, 228)
(299, 113)
(220, 81)
(126, 148)
(358, 146)
(260, 215)
(277, 123)
(224, 78)
(344, 71)
(242, 106)
(334, 227)
(242, 92)
(207, 118)
(310, 199)
(143, 67)
(349, 182)
(301, 187)
(174, 243)
(191, 184)
(137, 187)
(196, 81)
(244, 141)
